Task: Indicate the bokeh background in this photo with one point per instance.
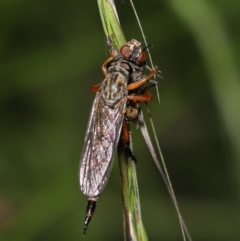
(51, 53)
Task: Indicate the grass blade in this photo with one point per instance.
(132, 221)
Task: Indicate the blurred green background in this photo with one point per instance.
(51, 53)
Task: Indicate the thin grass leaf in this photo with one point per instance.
(162, 168)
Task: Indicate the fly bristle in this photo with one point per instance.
(89, 213)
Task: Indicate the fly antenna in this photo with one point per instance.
(146, 47)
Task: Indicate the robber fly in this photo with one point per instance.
(124, 76)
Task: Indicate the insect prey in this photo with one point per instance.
(114, 104)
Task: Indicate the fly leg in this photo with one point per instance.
(127, 139)
(104, 66)
(146, 97)
(95, 88)
(140, 82)
(114, 53)
(110, 44)
(131, 114)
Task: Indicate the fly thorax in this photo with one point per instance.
(114, 87)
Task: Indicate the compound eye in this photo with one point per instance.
(141, 57)
(125, 51)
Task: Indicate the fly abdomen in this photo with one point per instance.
(91, 205)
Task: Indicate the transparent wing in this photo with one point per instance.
(100, 142)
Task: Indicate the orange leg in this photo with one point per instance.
(95, 88)
(146, 97)
(138, 83)
(104, 69)
(125, 132)
(126, 137)
(112, 50)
